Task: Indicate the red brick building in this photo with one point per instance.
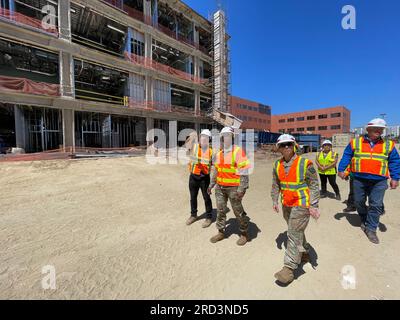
(326, 122)
(254, 115)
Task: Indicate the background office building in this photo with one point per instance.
(326, 122)
(254, 115)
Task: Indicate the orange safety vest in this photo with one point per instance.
(229, 166)
(200, 162)
(372, 160)
(294, 189)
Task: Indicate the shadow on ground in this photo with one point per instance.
(354, 220)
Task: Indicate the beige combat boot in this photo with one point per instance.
(285, 276)
(191, 220)
(206, 223)
(243, 239)
(218, 237)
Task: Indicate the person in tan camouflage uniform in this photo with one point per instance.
(296, 180)
(229, 174)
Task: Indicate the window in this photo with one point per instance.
(300, 119)
(290, 130)
(290, 120)
(264, 109)
(310, 128)
(323, 128)
(300, 129)
(336, 115)
(282, 121)
(323, 116)
(335, 127)
(311, 118)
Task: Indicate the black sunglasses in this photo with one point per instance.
(286, 145)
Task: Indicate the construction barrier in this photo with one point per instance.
(24, 85)
(25, 20)
(71, 153)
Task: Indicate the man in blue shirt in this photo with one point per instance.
(372, 161)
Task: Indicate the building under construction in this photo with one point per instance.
(101, 74)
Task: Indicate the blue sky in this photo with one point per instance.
(294, 54)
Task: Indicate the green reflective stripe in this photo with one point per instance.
(194, 157)
(369, 156)
(296, 187)
(227, 170)
(302, 170)
(244, 163)
(384, 167)
(228, 180)
(357, 144)
(386, 150)
(303, 198)
(234, 153)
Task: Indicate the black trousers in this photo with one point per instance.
(350, 199)
(332, 181)
(196, 183)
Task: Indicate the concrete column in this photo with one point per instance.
(197, 102)
(68, 118)
(64, 19)
(149, 88)
(148, 46)
(20, 128)
(67, 83)
(149, 126)
(147, 8)
(197, 128)
(196, 34)
(196, 66)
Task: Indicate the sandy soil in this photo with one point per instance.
(115, 229)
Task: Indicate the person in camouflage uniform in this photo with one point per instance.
(229, 174)
(296, 180)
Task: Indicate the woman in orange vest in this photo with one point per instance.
(296, 181)
(199, 179)
(372, 161)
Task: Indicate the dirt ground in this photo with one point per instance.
(115, 229)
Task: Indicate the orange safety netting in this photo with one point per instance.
(23, 19)
(28, 86)
(136, 14)
(158, 106)
(151, 64)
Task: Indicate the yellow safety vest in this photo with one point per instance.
(327, 161)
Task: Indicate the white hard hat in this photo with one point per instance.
(377, 123)
(227, 130)
(286, 138)
(327, 142)
(206, 132)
